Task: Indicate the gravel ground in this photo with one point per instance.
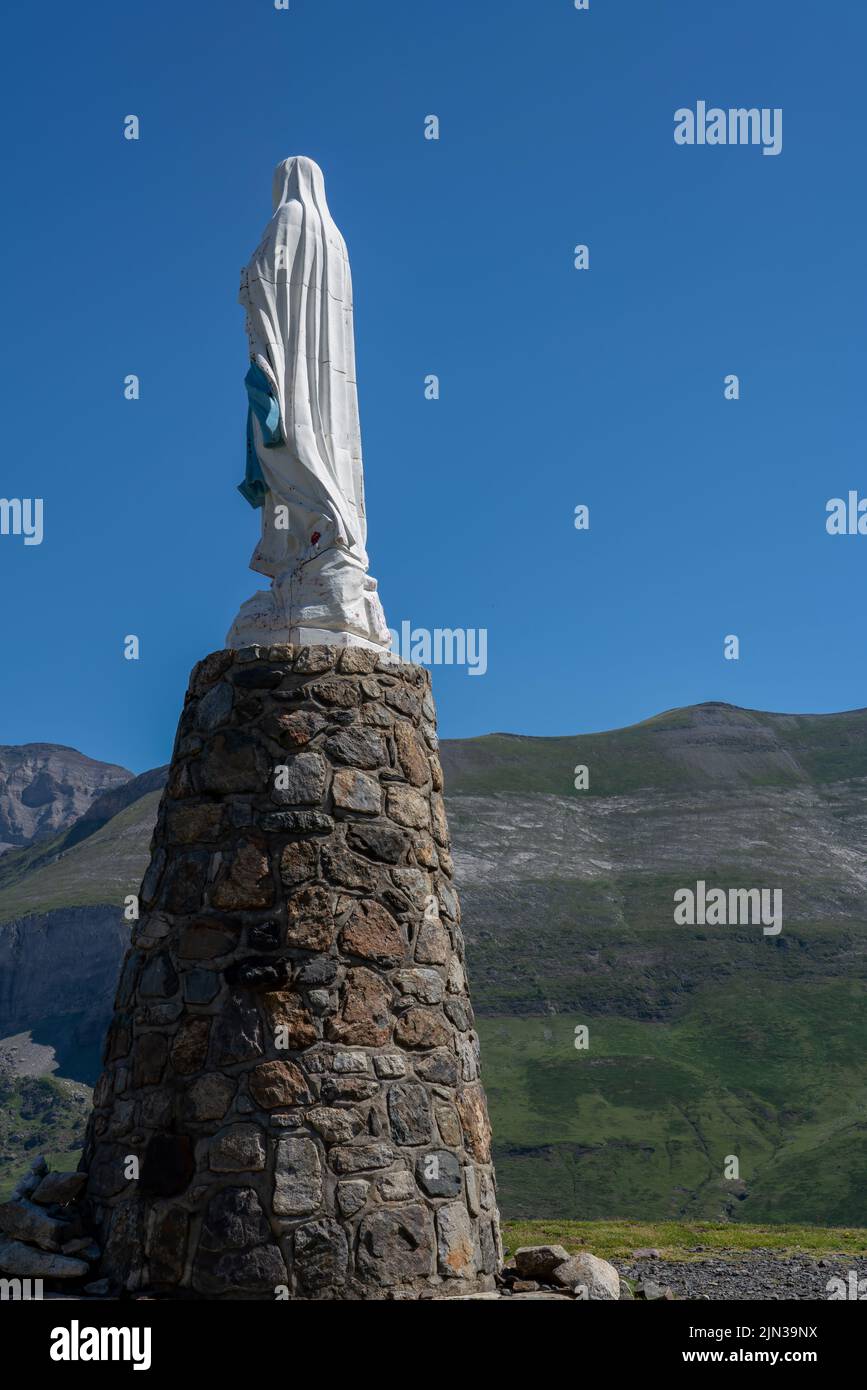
(748, 1276)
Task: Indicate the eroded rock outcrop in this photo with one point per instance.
(45, 787)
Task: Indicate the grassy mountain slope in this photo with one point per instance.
(645, 1119)
(100, 869)
(705, 1042)
(696, 747)
(40, 1115)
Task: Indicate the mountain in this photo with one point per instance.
(62, 931)
(19, 864)
(568, 896)
(44, 787)
(706, 1043)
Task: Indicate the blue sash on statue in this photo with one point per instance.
(263, 405)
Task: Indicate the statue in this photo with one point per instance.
(304, 467)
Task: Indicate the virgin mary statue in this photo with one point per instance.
(304, 469)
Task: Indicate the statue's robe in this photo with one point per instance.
(304, 463)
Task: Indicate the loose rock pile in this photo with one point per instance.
(549, 1271)
(42, 1234)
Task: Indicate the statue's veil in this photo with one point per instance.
(297, 290)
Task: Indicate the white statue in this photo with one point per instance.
(304, 464)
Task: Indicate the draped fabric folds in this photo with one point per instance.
(297, 291)
(304, 463)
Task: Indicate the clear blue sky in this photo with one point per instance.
(559, 387)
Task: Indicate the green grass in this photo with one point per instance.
(641, 1125)
(616, 1240)
(40, 1115)
(817, 748)
(101, 869)
(610, 945)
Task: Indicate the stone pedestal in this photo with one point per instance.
(291, 1104)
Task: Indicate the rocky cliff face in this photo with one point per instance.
(44, 787)
(58, 973)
